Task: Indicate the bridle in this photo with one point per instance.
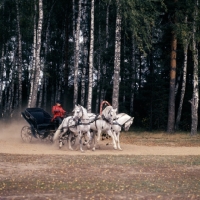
(104, 118)
(79, 122)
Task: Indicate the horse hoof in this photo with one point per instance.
(93, 149)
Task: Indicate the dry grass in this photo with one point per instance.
(160, 139)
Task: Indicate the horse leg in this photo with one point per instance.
(94, 140)
(89, 139)
(118, 143)
(98, 135)
(62, 137)
(113, 136)
(69, 142)
(80, 142)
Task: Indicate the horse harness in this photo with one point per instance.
(121, 125)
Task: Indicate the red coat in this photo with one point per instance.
(58, 111)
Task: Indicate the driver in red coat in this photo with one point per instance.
(58, 112)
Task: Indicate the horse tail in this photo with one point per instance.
(57, 133)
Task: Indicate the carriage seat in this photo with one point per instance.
(42, 121)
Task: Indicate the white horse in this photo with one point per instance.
(102, 123)
(66, 131)
(122, 121)
(78, 125)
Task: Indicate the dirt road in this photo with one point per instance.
(10, 142)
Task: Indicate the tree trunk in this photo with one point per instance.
(133, 74)
(45, 64)
(171, 106)
(171, 102)
(178, 118)
(32, 72)
(37, 63)
(66, 69)
(85, 53)
(99, 65)
(103, 89)
(116, 77)
(19, 59)
(91, 62)
(1, 78)
(195, 96)
(76, 54)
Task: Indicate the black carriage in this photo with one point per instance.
(40, 125)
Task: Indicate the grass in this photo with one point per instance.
(106, 177)
(159, 138)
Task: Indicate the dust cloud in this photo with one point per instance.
(11, 129)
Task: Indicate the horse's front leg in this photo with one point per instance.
(98, 135)
(93, 139)
(80, 142)
(113, 136)
(89, 138)
(118, 143)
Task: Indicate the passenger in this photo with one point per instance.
(58, 112)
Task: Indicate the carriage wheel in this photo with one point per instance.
(49, 137)
(26, 134)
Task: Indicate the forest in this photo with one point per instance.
(142, 56)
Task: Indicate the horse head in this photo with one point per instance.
(109, 114)
(78, 112)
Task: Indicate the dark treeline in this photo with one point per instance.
(141, 56)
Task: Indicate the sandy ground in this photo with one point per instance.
(11, 143)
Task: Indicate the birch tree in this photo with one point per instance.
(45, 64)
(32, 71)
(76, 53)
(185, 50)
(85, 52)
(91, 58)
(38, 48)
(195, 96)
(19, 58)
(1, 76)
(116, 76)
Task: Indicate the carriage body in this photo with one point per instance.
(40, 125)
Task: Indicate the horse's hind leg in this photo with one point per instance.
(69, 142)
(62, 138)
